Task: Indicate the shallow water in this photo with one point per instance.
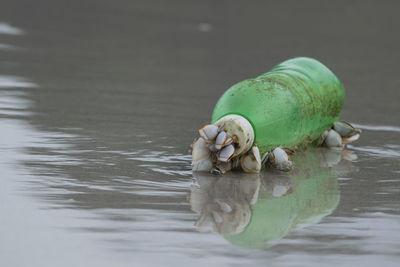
(99, 101)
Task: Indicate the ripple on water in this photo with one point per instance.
(165, 163)
(378, 127)
(6, 28)
(383, 152)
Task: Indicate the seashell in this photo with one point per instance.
(280, 155)
(200, 150)
(322, 138)
(202, 165)
(208, 132)
(221, 139)
(251, 161)
(201, 158)
(345, 129)
(265, 158)
(280, 159)
(226, 153)
(256, 153)
(333, 140)
(228, 141)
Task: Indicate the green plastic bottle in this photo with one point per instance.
(291, 105)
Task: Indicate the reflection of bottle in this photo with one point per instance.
(290, 105)
(252, 212)
(224, 203)
(303, 196)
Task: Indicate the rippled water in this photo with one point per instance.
(100, 100)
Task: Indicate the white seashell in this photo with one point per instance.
(322, 138)
(228, 141)
(280, 159)
(226, 153)
(280, 190)
(265, 158)
(256, 153)
(202, 165)
(200, 150)
(201, 160)
(333, 140)
(209, 132)
(280, 155)
(251, 161)
(345, 129)
(221, 138)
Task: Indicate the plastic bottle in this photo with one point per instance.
(291, 105)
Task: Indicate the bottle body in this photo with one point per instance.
(288, 106)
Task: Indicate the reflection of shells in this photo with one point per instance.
(235, 222)
(278, 185)
(201, 160)
(225, 203)
(331, 158)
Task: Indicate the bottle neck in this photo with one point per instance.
(240, 129)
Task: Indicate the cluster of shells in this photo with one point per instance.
(339, 135)
(215, 151)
